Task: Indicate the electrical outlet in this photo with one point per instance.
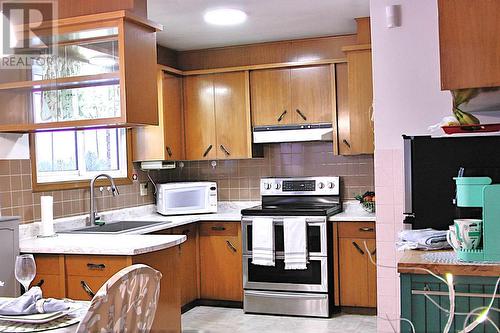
(143, 189)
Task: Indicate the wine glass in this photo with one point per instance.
(25, 270)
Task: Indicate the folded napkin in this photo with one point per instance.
(424, 239)
(31, 302)
(295, 237)
(263, 241)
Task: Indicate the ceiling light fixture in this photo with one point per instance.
(225, 16)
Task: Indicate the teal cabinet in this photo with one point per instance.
(471, 292)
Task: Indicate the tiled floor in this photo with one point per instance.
(205, 319)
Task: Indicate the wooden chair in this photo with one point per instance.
(126, 303)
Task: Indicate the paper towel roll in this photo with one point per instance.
(47, 212)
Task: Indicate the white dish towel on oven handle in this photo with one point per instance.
(295, 234)
(263, 241)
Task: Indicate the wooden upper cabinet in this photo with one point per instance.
(312, 94)
(199, 117)
(217, 116)
(301, 95)
(354, 102)
(469, 43)
(108, 80)
(165, 141)
(232, 105)
(270, 90)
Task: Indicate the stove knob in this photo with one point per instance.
(321, 186)
(267, 186)
(277, 186)
(331, 185)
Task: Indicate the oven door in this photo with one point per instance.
(316, 236)
(314, 278)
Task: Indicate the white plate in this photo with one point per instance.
(39, 318)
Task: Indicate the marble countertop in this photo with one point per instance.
(138, 242)
(100, 244)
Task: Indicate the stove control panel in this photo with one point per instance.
(300, 186)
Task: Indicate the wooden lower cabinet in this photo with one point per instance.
(70, 272)
(221, 261)
(188, 267)
(358, 276)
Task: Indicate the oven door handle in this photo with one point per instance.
(284, 295)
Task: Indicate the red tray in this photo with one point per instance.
(482, 128)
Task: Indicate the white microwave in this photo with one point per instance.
(186, 198)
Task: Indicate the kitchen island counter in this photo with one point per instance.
(442, 262)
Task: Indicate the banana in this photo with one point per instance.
(465, 118)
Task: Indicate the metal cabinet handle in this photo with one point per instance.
(366, 229)
(224, 149)
(346, 143)
(99, 267)
(218, 228)
(358, 248)
(87, 289)
(40, 283)
(301, 114)
(282, 115)
(231, 246)
(207, 151)
(169, 151)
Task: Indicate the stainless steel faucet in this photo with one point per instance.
(114, 190)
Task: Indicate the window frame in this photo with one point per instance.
(77, 184)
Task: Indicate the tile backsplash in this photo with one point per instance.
(240, 179)
(17, 197)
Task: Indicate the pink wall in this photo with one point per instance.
(407, 99)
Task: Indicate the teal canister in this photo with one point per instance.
(470, 190)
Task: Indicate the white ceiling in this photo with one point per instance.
(268, 20)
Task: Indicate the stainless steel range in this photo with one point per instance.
(272, 289)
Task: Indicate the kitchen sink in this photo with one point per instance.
(118, 227)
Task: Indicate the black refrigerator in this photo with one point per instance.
(430, 165)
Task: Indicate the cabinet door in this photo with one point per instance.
(173, 122)
(469, 44)
(312, 94)
(232, 114)
(188, 269)
(221, 261)
(356, 126)
(199, 115)
(271, 97)
(372, 274)
(354, 277)
(50, 275)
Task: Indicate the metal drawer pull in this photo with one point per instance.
(358, 248)
(231, 246)
(96, 266)
(346, 143)
(225, 150)
(445, 293)
(218, 228)
(207, 151)
(366, 229)
(301, 114)
(87, 289)
(40, 283)
(280, 118)
(169, 151)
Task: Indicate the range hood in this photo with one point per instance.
(293, 133)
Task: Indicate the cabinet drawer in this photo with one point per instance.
(94, 265)
(356, 229)
(76, 290)
(47, 264)
(219, 228)
(51, 285)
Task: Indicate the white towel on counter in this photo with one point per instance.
(263, 241)
(422, 239)
(295, 235)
